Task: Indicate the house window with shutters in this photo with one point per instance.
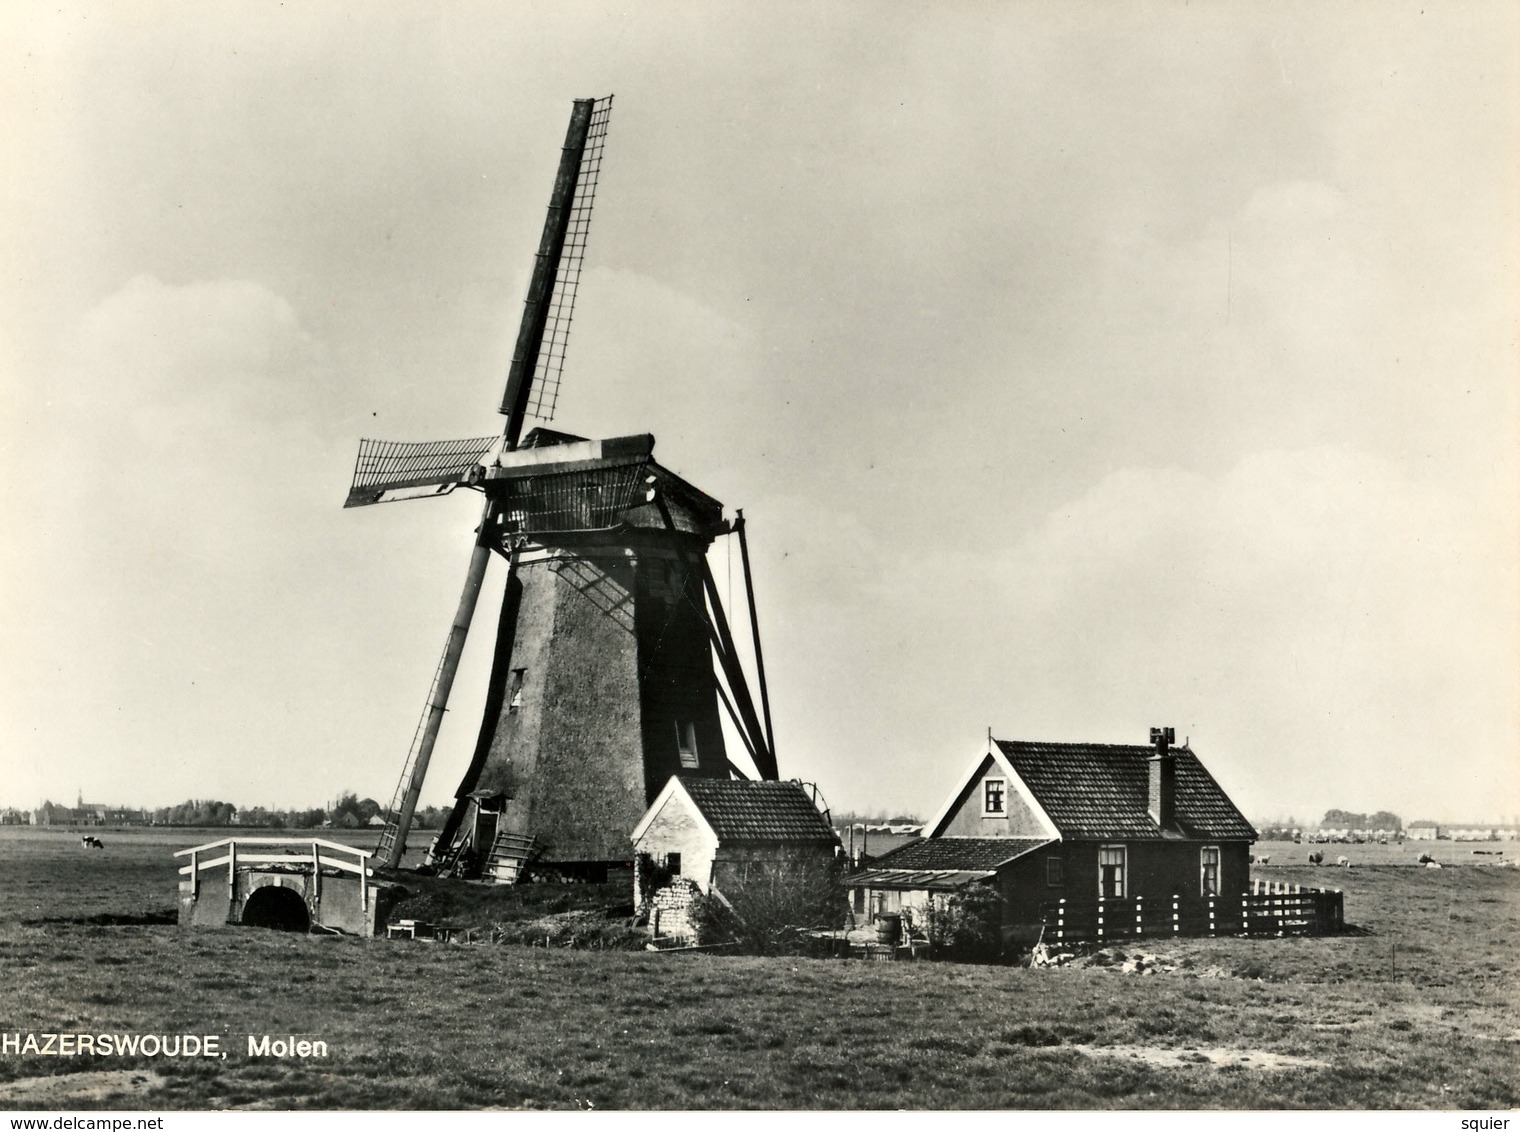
(1111, 869)
(686, 739)
(1208, 870)
(994, 797)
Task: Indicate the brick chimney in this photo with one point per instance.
(1162, 801)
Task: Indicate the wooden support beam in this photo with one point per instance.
(754, 625)
(735, 675)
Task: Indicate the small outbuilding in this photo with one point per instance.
(701, 834)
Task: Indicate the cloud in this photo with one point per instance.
(1328, 630)
(1313, 613)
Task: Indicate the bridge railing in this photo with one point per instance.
(316, 853)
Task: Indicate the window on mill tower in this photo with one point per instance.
(686, 741)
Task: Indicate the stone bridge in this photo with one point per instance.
(290, 883)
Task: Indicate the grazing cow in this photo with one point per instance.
(1259, 859)
(1343, 862)
(1316, 858)
(89, 841)
(1426, 858)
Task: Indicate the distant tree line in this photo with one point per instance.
(348, 812)
(1345, 819)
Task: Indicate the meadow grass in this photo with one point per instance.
(414, 1025)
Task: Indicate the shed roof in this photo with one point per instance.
(1098, 790)
(943, 880)
(743, 810)
(959, 853)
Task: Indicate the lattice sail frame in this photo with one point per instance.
(544, 395)
(397, 469)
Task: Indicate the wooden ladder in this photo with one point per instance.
(509, 854)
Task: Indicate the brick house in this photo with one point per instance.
(704, 833)
(1080, 822)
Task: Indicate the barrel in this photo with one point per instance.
(889, 927)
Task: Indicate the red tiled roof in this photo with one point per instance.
(1098, 790)
(958, 853)
(740, 810)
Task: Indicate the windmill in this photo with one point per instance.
(612, 649)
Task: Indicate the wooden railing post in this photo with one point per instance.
(195, 875)
(316, 871)
(232, 870)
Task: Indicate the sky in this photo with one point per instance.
(1079, 368)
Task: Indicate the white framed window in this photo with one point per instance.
(686, 740)
(673, 863)
(994, 797)
(1112, 865)
(1208, 870)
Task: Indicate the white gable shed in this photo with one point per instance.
(704, 829)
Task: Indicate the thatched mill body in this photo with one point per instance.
(603, 678)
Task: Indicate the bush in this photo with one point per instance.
(968, 926)
(769, 906)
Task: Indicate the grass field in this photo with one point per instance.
(1416, 1009)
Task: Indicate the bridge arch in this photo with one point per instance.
(274, 906)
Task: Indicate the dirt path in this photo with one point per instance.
(1219, 1057)
(73, 1088)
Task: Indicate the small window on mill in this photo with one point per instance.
(686, 740)
(514, 691)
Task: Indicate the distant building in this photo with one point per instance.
(87, 814)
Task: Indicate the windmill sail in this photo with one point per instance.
(394, 469)
(538, 361)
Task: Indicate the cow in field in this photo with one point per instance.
(90, 841)
(1425, 858)
(1260, 859)
(1316, 858)
(1343, 862)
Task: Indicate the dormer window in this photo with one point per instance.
(994, 797)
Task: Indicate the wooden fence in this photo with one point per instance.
(1267, 909)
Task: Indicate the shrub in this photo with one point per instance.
(968, 926)
(767, 907)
